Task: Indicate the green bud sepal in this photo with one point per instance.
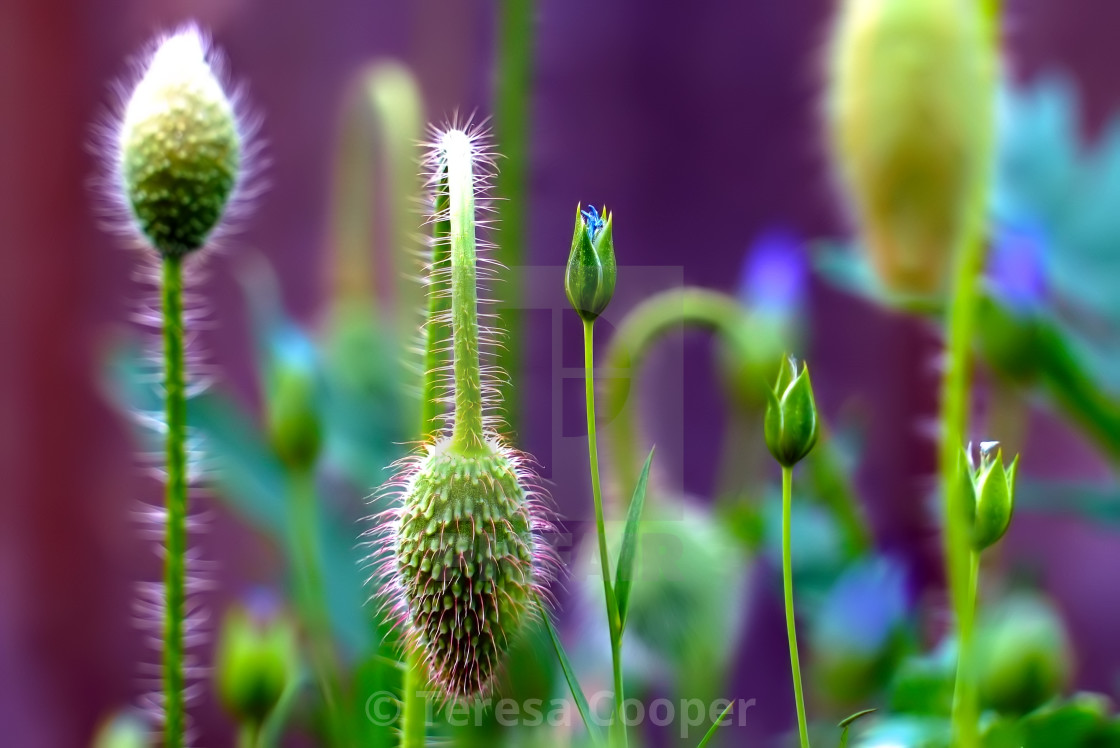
(257, 659)
(991, 488)
(591, 273)
(791, 424)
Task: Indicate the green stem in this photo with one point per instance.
(791, 626)
(176, 502)
(511, 132)
(964, 701)
(435, 328)
(467, 436)
(413, 716)
(311, 598)
(613, 621)
(955, 401)
(249, 735)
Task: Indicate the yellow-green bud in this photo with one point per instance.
(122, 731)
(910, 99)
(294, 425)
(590, 277)
(179, 147)
(1024, 654)
(257, 659)
(791, 423)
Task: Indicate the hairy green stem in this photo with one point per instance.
(955, 399)
(435, 329)
(467, 435)
(511, 132)
(311, 599)
(613, 620)
(787, 585)
(176, 503)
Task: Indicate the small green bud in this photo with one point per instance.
(257, 659)
(590, 278)
(791, 415)
(994, 495)
(179, 147)
(1024, 654)
(293, 417)
(122, 731)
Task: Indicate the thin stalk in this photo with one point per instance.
(174, 580)
(467, 435)
(249, 735)
(787, 584)
(511, 131)
(963, 698)
(955, 399)
(613, 622)
(413, 717)
(311, 599)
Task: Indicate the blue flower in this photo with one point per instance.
(775, 274)
(593, 221)
(1016, 274)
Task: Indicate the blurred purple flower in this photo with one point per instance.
(1017, 268)
(775, 274)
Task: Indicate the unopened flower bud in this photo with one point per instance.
(590, 277)
(180, 147)
(910, 100)
(292, 410)
(256, 661)
(994, 492)
(791, 424)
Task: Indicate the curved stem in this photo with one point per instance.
(787, 585)
(311, 598)
(467, 435)
(249, 735)
(613, 621)
(176, 502)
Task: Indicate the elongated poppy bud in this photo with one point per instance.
(910, 94)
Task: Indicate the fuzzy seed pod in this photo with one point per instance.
(179, 147)
(910, 100)
(465, 561)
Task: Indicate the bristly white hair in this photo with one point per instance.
(185, 48)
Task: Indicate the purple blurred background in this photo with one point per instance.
(696, 123)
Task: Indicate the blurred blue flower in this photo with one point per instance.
(1016, 273)
(864, 608)
(775, 274)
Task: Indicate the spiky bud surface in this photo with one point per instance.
(910, 96)
(179, 147)
(465, 561)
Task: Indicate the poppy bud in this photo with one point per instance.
(791, 424)
(590, 277)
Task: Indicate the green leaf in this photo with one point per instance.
(573, 684)
(846, 724)
(624, 574)
(715, 726)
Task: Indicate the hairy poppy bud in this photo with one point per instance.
(791, 415)
(910, 99)
(179, 147)
(591, 273)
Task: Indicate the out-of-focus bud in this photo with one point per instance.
(858, 634)
(292, 409)
(910, 99)
(791, 424)
(993, 495)
(1024, 654)
(257, 658)
(772, 290)
(590, 277)
(122, 731)
(1009, 325)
